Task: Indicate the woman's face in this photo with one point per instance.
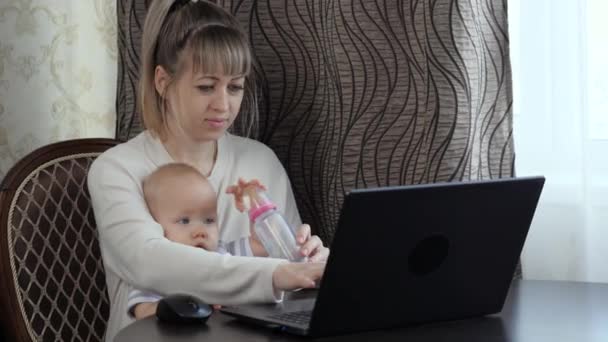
(203, 105)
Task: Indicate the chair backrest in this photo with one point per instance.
(52, 282)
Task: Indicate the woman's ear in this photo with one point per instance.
(161, 80)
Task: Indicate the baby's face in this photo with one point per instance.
(188, 214)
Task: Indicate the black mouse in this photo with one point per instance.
(183, 309)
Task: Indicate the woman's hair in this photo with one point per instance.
(178, 29)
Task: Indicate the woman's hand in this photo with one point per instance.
(311, 246)
(292, 276)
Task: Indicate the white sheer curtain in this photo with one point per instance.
(559, 54)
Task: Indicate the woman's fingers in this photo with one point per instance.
(316, 271)
(321, 255)
(311, 246)
(303, 234)
(291, 276)
(303, 282)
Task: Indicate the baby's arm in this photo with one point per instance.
(256, 247)
(143, 310)
(142, 304)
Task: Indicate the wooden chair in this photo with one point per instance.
(52, 282)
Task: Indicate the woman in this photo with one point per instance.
(196, 72)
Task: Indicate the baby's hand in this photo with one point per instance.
(241, 189)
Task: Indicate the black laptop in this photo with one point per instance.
(414, 254)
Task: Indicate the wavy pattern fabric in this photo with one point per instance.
(131, 15)
(367, 93)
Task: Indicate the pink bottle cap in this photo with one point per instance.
(259, 205)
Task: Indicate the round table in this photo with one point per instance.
(535, 311)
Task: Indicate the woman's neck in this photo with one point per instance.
(201, 155)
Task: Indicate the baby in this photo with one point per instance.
(184, 203)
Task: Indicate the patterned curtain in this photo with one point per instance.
(52, 87)
(367, 93)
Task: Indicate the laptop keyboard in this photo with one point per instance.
(296, 317)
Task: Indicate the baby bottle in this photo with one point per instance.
(272, 229)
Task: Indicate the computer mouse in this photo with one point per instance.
(181, 308)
